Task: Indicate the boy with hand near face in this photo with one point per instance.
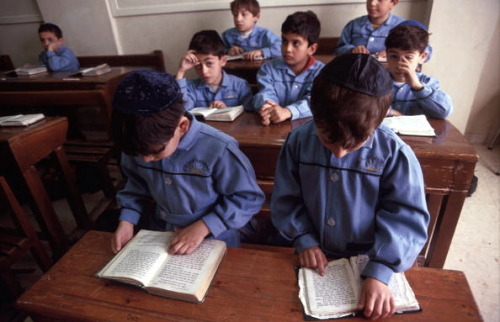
(214, 88)
(414, 93)
(201, 183)
(55, 56)
(285, 83)
(347, 185)
(248, 39)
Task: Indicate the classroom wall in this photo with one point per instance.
(90, 29)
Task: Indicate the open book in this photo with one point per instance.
(96, 71)
(240, 57)
(145, 262)
(23, 71)
(227, 114)
(336, 294)
(416, 125)
(20, 119)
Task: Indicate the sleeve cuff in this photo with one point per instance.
(378, 271)
(130, 215)
(304, 242)
(423, 93)
(214, 224)
(266, 53)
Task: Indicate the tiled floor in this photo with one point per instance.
(475, 248)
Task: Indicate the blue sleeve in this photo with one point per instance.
(226, 38)
(187, 94)
(267, 91)
(401, 219)
(344, 45)
(272, 45)
(432, 101)
(61, 60)
(245, 96)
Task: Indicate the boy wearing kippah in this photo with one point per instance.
(214, 88)
(201, 183)
(413, 92)
(55, 56)
(347, 185)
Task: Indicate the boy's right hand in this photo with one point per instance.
(235, 50)
(360, 50)
(188, 61)
(313, 258)
(122, 235)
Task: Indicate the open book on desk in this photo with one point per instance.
(96, 71)
(336, 294)
(145, 262)
(416, 125)
(240, 57)
(21, 119)
(226, 114)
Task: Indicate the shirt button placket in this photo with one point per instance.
(168, 180)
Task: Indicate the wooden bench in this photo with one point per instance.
(326, 45)
(153, 60)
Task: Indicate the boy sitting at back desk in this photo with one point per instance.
(55, 56)
(248, 39)
(346, 185)
(285, 83)
(215, 88)
(413, 93)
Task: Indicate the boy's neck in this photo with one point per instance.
(378, 21)
(299, 69)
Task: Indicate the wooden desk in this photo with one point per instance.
(250, 285)
(21, 148)
(447, 161)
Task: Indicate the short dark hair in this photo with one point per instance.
(407, 37)
(303, 23)
(145, 134)
(250, 5)
(207, 42)
(347, 117)
(50, 27)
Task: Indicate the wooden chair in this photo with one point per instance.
(326, 45)
(16, 242)
(6, 63)
(153, 60)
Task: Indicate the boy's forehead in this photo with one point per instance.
(292, 36)
(47, 34)
(242, 10)
(207, 57)
(402, 51)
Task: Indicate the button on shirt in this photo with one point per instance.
(259, 38)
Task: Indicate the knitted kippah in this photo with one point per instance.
(359, 72)
(144, 92)
(412, 23)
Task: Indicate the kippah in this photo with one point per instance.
(412, 23)
(358, 72)
(144, 92)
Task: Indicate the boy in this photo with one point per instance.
(248, 39)
(366, 34)
(202, 184)
(345, 185)
(413, 93)
(285, 83)
(55, 56)
(215, 88)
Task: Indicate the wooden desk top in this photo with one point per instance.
(251, 285)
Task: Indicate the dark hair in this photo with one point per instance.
(407, 37)
(145, 134)
(347, 117)
(207, 42)
(303, 23)
(250, 5)
(50, 27)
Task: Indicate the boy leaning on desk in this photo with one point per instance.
(55, 55)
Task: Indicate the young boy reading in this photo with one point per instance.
(346, 185)
(214, 87)
(285, 83)
(55, 55)
(413, 92)
(248, 39)
(201, 183)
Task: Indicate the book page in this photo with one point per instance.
(410, 125)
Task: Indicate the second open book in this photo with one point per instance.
(227, 114)
(336, 294)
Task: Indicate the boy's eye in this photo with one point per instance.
(393, 56)
(296, 43)
(409, 57)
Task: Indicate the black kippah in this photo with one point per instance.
(144, 92)
(359, 72)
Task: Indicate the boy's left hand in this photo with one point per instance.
(188, 239)
(55, 45)
(376, 300)
(218, 104)
(411, 77)
(253, 54)
(272, 112)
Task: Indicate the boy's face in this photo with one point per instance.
(244, 20)
(48, 38)
(296, 50)
(170, 147)
(400, 62)
(209, 68)
(337, 150)
(378, 10)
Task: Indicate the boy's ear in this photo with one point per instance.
(257, 17)
(183, 125)
(312, 49)
(423, 56)
(223, 60)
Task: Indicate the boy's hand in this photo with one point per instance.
(122, 235)
(411, 77)
(235, 50)
(313, 258)
(272, 112)
(360, 50)
(376, 300)
(188, 61)
(218, 104)
(55, 45)
(253, 54)
(188, 239)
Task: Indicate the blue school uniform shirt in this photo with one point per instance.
(430, 101)
(62, 59)
(233, 91)
(370, 201)
(259, 38)
(206, 178)
(278, 83)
